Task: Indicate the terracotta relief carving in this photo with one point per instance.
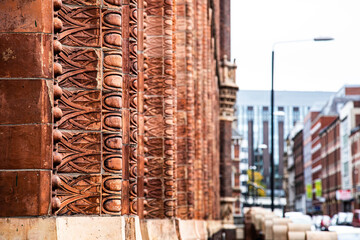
(135, 109)
(80, 68)
(112, 3)
(81, 110)
(82, 2)
(111, 29)
(80, 153)
(91, 80)
(139, 83)
(80, 26)
(190, 105)
(111, 194)
(112, 80)
(78, 195)
(133, 105)
(112, 113)
(112, 121)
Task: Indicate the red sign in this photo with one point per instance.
(344, 195)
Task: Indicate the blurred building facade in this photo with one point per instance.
(330, 154)
(294, 170)
(253, 123)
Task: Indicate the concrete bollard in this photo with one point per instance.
(296, 235)
(268, 230)
(280, 232)
(299, 227)
(321, 235)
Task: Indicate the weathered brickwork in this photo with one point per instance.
(126, 120)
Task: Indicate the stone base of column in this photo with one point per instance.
(109, 228)
(62, 228)
(227, 218)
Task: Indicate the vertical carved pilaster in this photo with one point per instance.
(180, 113)
(140, 107)
(126, 106)
(77, 135)
(190, 105)
(207, 136)
(134, 101)
(169, 109)
(113, 119)
(198, 163)
(96, 129)
(154, 125)
(227, 97)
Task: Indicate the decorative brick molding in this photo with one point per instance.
(113, 108)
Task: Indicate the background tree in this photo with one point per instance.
(260, 187)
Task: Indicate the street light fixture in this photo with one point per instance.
(318, 39)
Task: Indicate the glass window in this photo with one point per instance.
(265, 113)
(281, 114)
(346, 168)
(244, 160)
(296, 114)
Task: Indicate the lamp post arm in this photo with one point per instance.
(317, 39)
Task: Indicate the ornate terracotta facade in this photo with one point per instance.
(113, 107)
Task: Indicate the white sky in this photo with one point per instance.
(308, 66)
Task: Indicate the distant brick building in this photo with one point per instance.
(300, 205)
(331, 167)
(294, 170)
(320, 123)
(236, 171)
(355, 158)
(307, 140)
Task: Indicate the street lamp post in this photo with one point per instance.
(253, 168)
(272, 109)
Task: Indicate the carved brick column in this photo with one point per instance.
(95, 131)
(228, 91)
(111, 107)
(190, 107)
(181, 106)
(159, 147)
(26, 101)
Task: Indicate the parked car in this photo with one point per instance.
(291, 214)
(342, 218)
(349, 218)
(356, 218)
(334, 219)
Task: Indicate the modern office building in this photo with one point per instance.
(253, 123)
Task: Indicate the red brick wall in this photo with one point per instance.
(352, 91)
(26, 90)
(126, 118)
(331, 166)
